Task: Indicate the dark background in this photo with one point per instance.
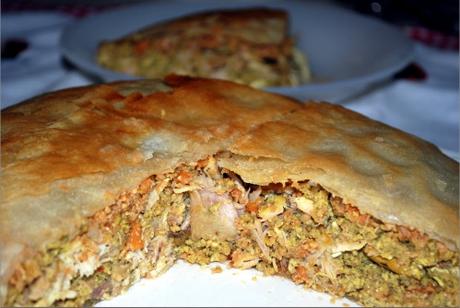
(436, 15)
(440, 15)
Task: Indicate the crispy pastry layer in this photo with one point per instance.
(68, 154)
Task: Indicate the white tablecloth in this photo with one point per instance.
(429, 108)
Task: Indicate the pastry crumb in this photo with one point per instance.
(216, 270)
(333, 300)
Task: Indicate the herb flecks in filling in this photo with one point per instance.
(202, 213)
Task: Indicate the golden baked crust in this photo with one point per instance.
(249, 46)
(67, 154)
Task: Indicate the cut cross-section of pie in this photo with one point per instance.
(107, 184)
(250, 46)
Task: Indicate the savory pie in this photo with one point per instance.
(249, 46)
(106, 184)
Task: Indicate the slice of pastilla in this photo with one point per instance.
(248, 45)
(106, 184)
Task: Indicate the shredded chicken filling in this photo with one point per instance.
(263, 58)
(202, 213)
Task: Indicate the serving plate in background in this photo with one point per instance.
(347, 52)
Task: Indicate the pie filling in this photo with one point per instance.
(202, 213)
(253, 52)
(287, 67)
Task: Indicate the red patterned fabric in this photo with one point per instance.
(432, 38)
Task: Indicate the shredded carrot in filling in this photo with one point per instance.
(141, 47)
(184, 177)
(135, 237)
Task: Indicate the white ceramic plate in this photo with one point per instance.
(451, 154)
(186, 285)
(347, 51)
